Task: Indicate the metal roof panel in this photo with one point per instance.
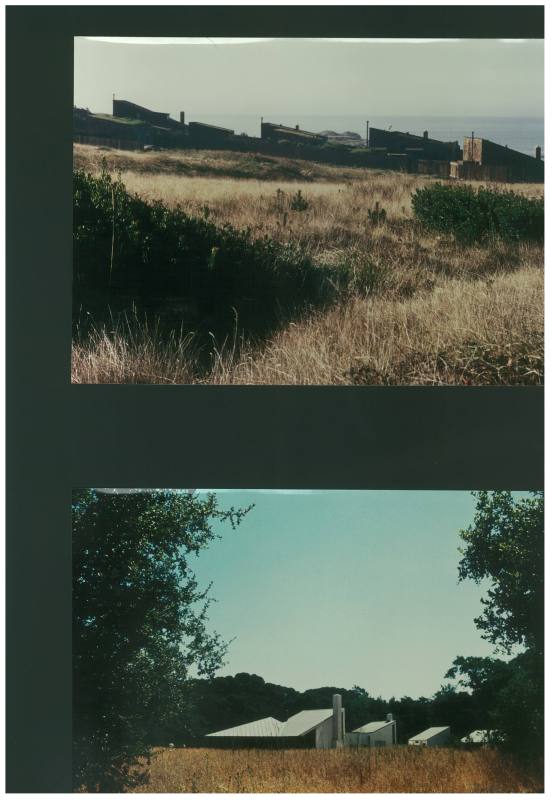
(372, 727)
(305, 721)
(428, 733)
(261, 727)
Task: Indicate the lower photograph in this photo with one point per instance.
(273, 640)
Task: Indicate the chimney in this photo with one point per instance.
(338, 722)
(389, 718)
(426, 134)
(182, 117)
(538, 153)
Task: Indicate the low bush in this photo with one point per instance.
(131, 252)
(473, 216)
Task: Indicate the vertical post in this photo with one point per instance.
(337, 721)
(367, 133)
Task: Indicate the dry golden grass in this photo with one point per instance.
(462, 332)
(438, 312)
(213, 163)
(336, 222)
(397, 769)
(137, 354)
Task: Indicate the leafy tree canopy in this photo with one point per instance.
(139, 623)
(505, 544)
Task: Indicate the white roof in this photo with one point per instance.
(428, 733)
(261, 727)
(477, 737)
(372, 727)
(305, 721)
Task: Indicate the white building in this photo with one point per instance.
(322, 728)
(481, 737)
(431, 737)
(374, 734)
(261, 727)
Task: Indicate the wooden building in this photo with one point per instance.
(203, 135)
(128, 110)
(283, 133)
(418, 147)
(486, 160)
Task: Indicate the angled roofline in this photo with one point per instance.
(425, 734)
(227, 731)
(383, 724)
(317, 723)
(327, 711)
(141, 108)
(289, 129)
(414, 136)
(208, 125)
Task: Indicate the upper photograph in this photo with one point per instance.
(364, 212)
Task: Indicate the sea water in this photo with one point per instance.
(518, 133)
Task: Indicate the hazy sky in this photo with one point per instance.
(474, 77)
(345, 587)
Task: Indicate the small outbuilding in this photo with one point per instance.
(431, 737)
(481, 737)
(374, 734)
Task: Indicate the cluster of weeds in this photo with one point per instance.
(357, 277)
(377, 215)
(298, 202)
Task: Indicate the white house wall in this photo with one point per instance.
(324, 735)
(383, 737)
(439, 739)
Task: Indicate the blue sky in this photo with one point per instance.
(343, 588)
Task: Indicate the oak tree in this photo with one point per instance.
(139, 624)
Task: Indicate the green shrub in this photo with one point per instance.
(129, 252)
(473, 216)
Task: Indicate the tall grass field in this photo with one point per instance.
(396, 769)
(336, 278)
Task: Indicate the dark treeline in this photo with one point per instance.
(219, 703)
